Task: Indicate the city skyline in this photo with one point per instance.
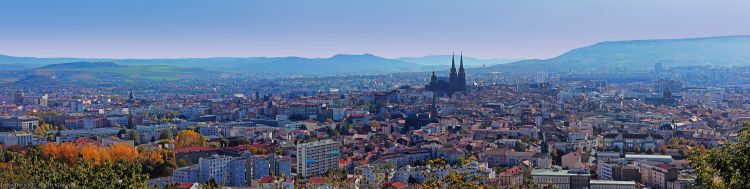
(168, 29)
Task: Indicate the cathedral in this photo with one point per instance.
(456, 82)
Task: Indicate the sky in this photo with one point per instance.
(323, 28)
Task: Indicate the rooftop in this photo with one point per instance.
(555, 172)
(646, 156)
(612, 182)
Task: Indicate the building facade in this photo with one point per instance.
(315, 158)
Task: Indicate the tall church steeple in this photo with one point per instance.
(453, 75)
(461, 72)
(461, 75)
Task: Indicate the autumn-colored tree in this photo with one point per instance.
(123, 151)
(189, 138)
(663, 149)
(93, 153)
(256, 150)
(454, 180)
(28, 170)
(65, 152)
(42, 129)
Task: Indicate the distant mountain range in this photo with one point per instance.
(99, 72)
(640, 55)
(604, 57)
(445, 60)
(338, 64)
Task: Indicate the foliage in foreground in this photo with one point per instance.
(727, 166)
(29, 169)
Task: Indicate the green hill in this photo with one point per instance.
(105, 72)
(641, 55)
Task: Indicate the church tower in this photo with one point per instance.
(453, 75)
(462, 76)
(434, 77)
(456, 82)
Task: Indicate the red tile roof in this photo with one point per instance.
(399, 185)
(184, 185)
(664, 166)
(512, 171)
(235, 148)
(317, 180)
(266, 179)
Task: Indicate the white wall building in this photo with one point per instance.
(315, 158)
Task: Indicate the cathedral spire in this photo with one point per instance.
(453, 62)
(461, 68)
(453, 75)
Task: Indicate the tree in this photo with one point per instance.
(726, 166)
(122, 133)
(189, 138)
(30, 169)
(239, 141)
(166, 134)
(460, 161)
(210, 184)
(42, 129)
(224, 142)
(412, 180)
(520, 146)
(454, 180)
(135, 136)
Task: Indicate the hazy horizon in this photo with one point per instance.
(321, 29)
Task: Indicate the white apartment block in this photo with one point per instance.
(23, 140)
(315, 158)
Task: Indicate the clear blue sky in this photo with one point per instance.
(321, 28)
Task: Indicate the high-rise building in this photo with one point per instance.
(316, 158)
(76, 106)
(224, 170)
(266, 165)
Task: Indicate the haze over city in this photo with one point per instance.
(391, 28)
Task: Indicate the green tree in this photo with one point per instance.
(135, 136)
(166, 134)
(121, 133)
(520, 146)
(412, 180)
(727, 166)
(210, 184)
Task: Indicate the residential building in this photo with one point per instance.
(12, 139)
(18, 123)
(315, 158)
(610, 184)
(564, 179)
